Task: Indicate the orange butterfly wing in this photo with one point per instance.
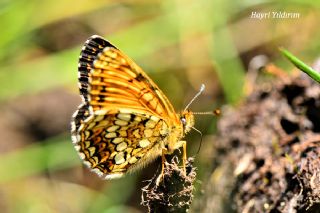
(124, 118)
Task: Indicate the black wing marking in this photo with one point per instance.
(90, 50)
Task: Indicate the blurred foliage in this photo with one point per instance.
(181, 44)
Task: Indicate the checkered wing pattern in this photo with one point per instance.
(124, 120)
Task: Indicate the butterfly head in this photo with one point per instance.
(186, 117)
(187, 120)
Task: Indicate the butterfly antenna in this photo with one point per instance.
(196, 96)
(200, 139)
(215, 112)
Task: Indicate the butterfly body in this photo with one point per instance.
(124, 121)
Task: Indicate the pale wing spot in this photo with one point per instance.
(111, 54)
(78, 138)
(124, 116)
(156, 133)
(81, 155)
(89, 119)
(140, 154)
(96, 170)
(76, 112)
(87, 144)
(120, 167)
(113, 176)
(95, 159)
(113, 154)
(91, 125)
(99, 118)
(92, 150)
(123, 133)
(104, 158)
(101, 112)
(101, 58)
(153, 103)
(135, 151)
(153, 139)
(129, 150)
(117, 140)
(119, 158)
(87, 163)
(147, 96)
(121, 146)
(124, 128)
(77, 147)
(138, 119)
(111, 135)
(102, 124)
(128, 156)
(121, 123)
(144, 143)
(100, 64)
(148, 133)
(133, 160)
(73, 125)
(136, 133)
(155, 118)
(81, 127)
(151, 124)
(127, 111)
(113, 128)
(87, 134)
(75, 138)
(164, 129)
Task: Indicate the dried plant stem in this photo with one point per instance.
(172, 192)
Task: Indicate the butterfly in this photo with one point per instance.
(124, 121)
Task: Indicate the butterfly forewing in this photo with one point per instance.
(117, 80)
(124, 118)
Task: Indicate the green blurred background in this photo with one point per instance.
(180, 44)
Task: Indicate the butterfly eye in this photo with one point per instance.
(184, 121)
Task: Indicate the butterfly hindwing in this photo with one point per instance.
(116, 141)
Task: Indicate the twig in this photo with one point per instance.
(173, 193)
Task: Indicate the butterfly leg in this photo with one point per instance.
(184, 156)
(165, 151)
(163, 160)
(183, 144)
